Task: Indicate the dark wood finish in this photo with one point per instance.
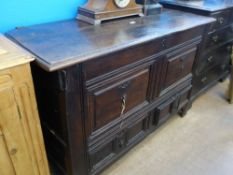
(97, 108)
(213, 57)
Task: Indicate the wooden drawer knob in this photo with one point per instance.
(210, 59)
(215, 38)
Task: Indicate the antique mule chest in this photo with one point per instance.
(214, 54)
(101, 89)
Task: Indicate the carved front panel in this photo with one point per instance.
(113, 101)
(177, 66)
(103, 154)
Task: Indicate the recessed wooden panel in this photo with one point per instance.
(107, 101)
(163, 111)
(136, 130)
(105, 152)
(177, 66)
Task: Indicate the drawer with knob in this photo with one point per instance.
(217, 57)
(222, 19)
(218, 38)
(208, 62)
(209, 78)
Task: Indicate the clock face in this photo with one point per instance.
(122, 3)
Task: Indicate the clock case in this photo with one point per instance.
(96, 11)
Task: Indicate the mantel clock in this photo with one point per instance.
(96, 11)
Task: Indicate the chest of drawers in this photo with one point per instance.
(102, 89)
(213, 57)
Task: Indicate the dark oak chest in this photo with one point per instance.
(101, 90)
(213, 57)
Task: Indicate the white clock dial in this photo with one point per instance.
(122, 3)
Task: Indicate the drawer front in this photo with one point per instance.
(219, 56)
(222, 19)
(207, 62)
(210, 77)
(123, 59)
(181, 37)
(103, 155)
(176, 66)
(220, 37)
(115, 101)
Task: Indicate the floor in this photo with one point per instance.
(201, 143)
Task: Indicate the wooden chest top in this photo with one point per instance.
(61, 44)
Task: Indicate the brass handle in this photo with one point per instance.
(221, 20)
(123, 104)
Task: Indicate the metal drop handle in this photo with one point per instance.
(123, 104)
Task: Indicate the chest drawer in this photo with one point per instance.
(176, 66)
(208, 61)
(121, 61)
(220, 37)
(115, 100)
(222, 19)
(126, 59)
(218, 56)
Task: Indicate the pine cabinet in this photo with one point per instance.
(22, 149)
